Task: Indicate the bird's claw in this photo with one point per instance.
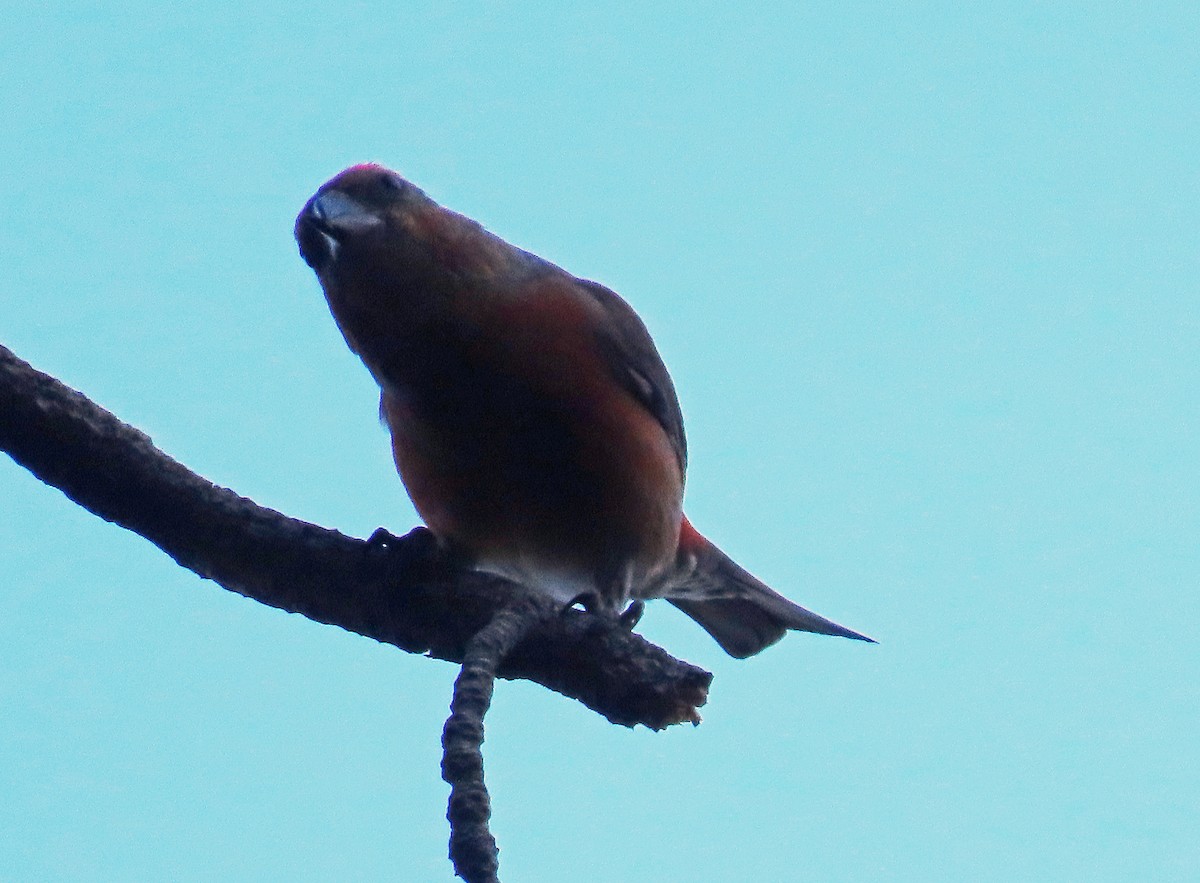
(589, 601)
(592, 603)
(632, 615)
(397, 555)
(382, 538)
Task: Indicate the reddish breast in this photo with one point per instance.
(572, 470)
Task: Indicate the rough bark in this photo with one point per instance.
(401, 591)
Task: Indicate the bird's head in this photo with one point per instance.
(365, 204)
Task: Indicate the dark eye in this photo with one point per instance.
(391, 182)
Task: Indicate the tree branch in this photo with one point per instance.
(403, 592)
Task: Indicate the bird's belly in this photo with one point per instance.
(569, 496)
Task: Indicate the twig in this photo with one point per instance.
(472, 848)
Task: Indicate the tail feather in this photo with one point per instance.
(743, 614)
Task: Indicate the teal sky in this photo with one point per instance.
(926, 277)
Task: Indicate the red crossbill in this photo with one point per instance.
(532, 419)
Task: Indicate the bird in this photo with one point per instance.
(533, 421)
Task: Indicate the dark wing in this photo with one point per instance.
(637, 366)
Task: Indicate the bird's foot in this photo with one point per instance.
(383, 538)
(632, 615)
(398, 555)
(592, 603)
(589, 601)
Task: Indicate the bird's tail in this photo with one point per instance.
(742, 613)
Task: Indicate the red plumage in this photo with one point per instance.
(533, 422)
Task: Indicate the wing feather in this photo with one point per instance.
(637, 366)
